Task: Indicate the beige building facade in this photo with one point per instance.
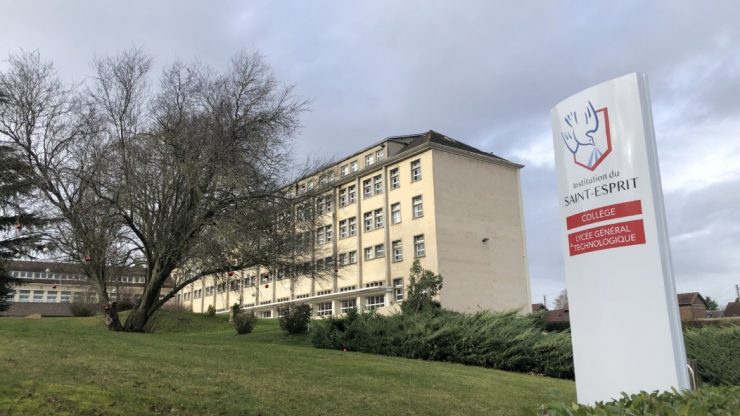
(45, 283)
(456, 209)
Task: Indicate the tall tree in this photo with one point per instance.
(201, 156)
(20, 226)
(54, 129)
(424, 286)
(711, 304)
(186, 176)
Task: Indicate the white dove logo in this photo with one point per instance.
(587, 137)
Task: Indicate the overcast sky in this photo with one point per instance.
(483, 72)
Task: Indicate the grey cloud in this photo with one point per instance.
(486, 73)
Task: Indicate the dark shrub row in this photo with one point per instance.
(723, 400)
(505, 341)
(717, 350)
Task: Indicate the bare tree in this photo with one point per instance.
(187, 176)
(561, 302)
(203, 155)
(53, 129)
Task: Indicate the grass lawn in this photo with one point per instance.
(198, 365)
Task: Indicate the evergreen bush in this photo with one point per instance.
(717, 351)
(294, 319)
(505, 341)
(723, 400)
(244, 322)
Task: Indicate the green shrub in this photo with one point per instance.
(717, 351)
(294, 319)
(82, 309)
(505, 341)
(244, 322)
(211, 311)
(723, 400)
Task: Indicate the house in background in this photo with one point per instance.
(732, 309)
(537, 307)
(692, 306)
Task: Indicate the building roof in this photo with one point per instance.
(416, 140)
(732, 309)
(690, 298)
(411, 142)
(538, 307)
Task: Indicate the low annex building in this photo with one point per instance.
(425, 196)
(46, 286)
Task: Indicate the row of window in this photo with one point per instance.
(372, 220)
(370, 159)
(378, 251)
(348, 195)
(66, 276)
(326, 263)
(51, 296)
(372, 302)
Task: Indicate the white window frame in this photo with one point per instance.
(354, 166)
(323, 310)
(379, 155)
(351, 194)
(379, 251)
(419, 246)
(379, 219)
(344, 170)
(329, 230)
(352, 222)
(374, 302)
(397, 247)
(367, 188)
(378, 184)
(368, 221)
(370, 159)
(347, 305)
(415, 170)
(343, 197)
(369, 253)
(396, 213)
(417, 206)
(343, 229)
(395, 178)
(398, 289)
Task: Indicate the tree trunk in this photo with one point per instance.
(137, 320)
(141, 313)
(111, 317)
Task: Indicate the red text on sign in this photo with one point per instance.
(604, 237)
(608, 212)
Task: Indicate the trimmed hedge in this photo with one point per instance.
(505, 341)
(717, 350)
(723, 400)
